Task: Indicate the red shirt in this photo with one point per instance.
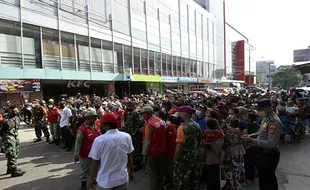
(53, 115)
(211, 136)
(171, 140)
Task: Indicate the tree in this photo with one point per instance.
(286, 78)
(305, 78)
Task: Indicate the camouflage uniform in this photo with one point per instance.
(187, 170)
(9, 131)
(40, 123)
(132, 126)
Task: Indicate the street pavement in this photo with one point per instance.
(50, 168)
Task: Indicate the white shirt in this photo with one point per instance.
(291, 109)
(112, 149)
(64, 117)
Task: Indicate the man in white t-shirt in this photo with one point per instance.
(64, 123)
(111, 154)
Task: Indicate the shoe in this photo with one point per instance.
(68, 149)
(52, 142)
(37, 140)
(47, 139)
(57, 142)
(83, 185)
(17, 173)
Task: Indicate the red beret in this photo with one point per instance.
(109, 118)
(186, 109)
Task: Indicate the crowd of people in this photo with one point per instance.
(184, 140)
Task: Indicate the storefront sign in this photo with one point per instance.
(36, 85)
(169, 79)
(204, 80)
(187, 79)
(147, 78)
(78, 84)
(128, 74)
(20, 85)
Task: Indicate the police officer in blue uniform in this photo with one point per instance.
(267, 141)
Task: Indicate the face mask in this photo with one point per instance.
(168, 122)
(198, 112)
(62, 106)
(50, 106)
(163, 109)
(261, 113)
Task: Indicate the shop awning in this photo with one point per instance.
(303, 68)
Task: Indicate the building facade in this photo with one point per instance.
(264, 69)
(153, 41)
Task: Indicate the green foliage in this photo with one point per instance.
(286, 78)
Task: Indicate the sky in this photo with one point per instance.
(274, 27)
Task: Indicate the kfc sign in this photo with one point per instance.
(78, 84)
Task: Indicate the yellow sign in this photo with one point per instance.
(147, 78)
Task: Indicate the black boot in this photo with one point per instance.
(57, 142)
(83, 185)
(8, 171)
(17, 173)
(38, 140)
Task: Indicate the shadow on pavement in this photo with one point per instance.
(68, 182)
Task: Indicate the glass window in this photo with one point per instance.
(138, 26)
(199, 69)
(96, 55)
(179, 66)
(99, 12)
(10, 47)
(32, 46)
(174, 66)
(137, 61)
(153, 34)
(14, 2)
(127, 57)
(137, 5)
(68, 51)
(144, 62)
(151, 62)
(107, 51)
(194, 68)
(164, 64)
(51, 48)
(169, 65)
(121, 16)
(119, 56)
(188, 64)
(157, 64)
(45, 7)
(183, 67)
(83, 52)
(152, 9)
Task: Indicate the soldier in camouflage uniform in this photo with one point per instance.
(9, 131)
(133, 124)
(187, 169)
(39, 118)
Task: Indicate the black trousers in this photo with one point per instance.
(212, 176)
(267, 163)
(250, 163)
(67, 137)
